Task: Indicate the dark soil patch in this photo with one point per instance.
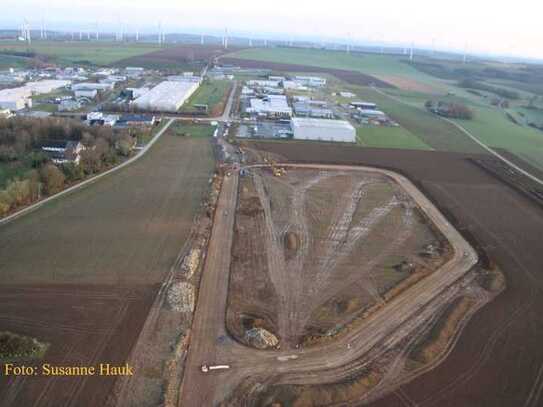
(181, 55)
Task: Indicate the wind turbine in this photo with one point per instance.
(160, 33)
(225, 38)
(28, 36)
(412, 52)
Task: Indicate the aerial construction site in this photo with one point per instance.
(326, 285)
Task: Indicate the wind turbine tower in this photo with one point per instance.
(159, 33)
(202, 39)
(28, 36)
(411, 53)
(226, 38)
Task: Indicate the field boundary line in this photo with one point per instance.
(87, 182)
(473, 138)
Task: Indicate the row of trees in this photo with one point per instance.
(47, 180)
(450, 110)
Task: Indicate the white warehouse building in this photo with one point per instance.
(323, 129)
(167, 96)
(21, 97)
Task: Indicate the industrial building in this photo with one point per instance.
(21, 97)
(167, 96)
(186, 77)
(312, 81)
(363, 105)
(93, 86)
(323, 129)
(69, 105)
(308, 109)
(271, 106)
(86, 93)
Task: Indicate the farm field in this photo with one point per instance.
(177, 57)
(388, 68)
(501, 342)
(10, 61)
(429, 128)
(68, 52)
(492, 127)
(212, 93)
(312, 243)
(389, 137)
(183, 129)
(81, 272)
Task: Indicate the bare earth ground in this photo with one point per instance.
(81, 272)
(498, 357)
(410, 84)
(354, 237)
(258, 377)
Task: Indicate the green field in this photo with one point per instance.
(389, 137)
(191, 130)
(430, 129)
(211, 93)
(492, 128)
(372, 64)
(11, 61)
(126, 228)
(367, 63)
(70, 52)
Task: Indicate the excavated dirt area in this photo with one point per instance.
(316, 250)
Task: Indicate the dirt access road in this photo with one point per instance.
(209, 343)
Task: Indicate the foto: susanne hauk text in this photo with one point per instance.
(46, 369)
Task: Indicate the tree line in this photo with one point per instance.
(21, 140)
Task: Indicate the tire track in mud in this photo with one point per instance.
(406, 231)
(295, 267)
(275, 259)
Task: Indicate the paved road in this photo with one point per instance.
(387, 325)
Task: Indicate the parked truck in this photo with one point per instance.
(207, 368)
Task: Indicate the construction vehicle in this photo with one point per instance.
(277, 171)
(207, 369)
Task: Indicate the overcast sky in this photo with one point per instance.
(511, 28)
